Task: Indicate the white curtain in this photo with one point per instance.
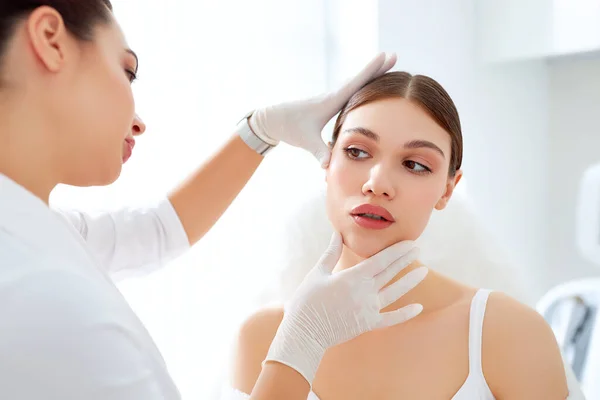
(203, 65)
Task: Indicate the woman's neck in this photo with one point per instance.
(25, 155)
(434, 292)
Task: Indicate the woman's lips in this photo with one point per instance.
(370, 216)
(128, 146)
(370, 223)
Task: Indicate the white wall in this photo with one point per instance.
(515, 29)
(504, 116)
(351, 27)
(574, 145)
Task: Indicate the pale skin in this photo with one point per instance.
(55, 95)
(426, 357)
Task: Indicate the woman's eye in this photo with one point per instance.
(132, 76)
(356, 153)
(416, 167)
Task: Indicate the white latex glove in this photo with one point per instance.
(300, 123)
(330, 309)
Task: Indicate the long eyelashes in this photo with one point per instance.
(355, 153)
(131, 74)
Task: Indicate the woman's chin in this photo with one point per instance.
(363, 248)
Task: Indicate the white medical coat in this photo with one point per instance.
(66, 332)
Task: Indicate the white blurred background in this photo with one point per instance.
(525, 76)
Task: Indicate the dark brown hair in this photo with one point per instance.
(80, 16)
(423, 91)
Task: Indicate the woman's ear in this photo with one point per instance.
(48, 37)
(450, 185)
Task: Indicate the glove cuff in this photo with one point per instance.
(255, 119)
(254, 141)
(293, 348)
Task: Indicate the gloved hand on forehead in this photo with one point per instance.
(299, 123)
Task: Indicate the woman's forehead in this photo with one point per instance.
(396, 119)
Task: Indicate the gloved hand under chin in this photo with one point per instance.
(300, 123)
(330, 309)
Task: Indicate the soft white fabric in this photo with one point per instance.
(330, 309)
(300, 123)
(131, 242)
(66, 332)
(475, 386)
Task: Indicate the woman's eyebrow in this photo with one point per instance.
(363, 131)
(417, 144)
(413, 144)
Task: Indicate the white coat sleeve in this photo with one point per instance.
(132, 242)
(64, 336)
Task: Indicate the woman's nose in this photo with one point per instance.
(138, 127)
(380, 183)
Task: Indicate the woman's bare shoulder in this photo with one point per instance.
(262, 325)
(520, 353)
(512, 322)
(253, 341)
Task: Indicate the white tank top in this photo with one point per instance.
(475, 386)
